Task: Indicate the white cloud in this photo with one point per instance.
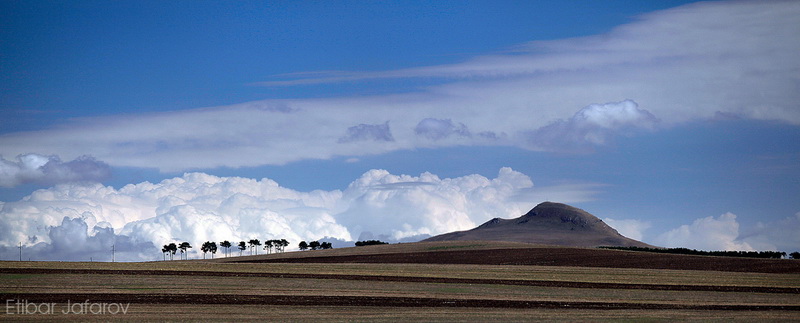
(781, 235)
(723, 233)
(687, 63)
(404, 206)
(592, 125)
(709, 233)
(197, 207)
(630, 228)
(34, 168)
(78, 221)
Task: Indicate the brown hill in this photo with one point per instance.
(548, 223)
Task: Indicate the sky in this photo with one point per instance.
(137, 124)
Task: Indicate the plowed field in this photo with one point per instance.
(429, 282)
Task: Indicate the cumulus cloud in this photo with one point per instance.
(75, 222)
(781, 235)
(403, 206)
(709, 233)
(34, 168)
(592, 125)
(688, 63)
(724, 233)
(362, 132)
(74, 240)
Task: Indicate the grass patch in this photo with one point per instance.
(455, 247)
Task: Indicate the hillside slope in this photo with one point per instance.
(548, 223)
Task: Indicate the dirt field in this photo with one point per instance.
(430, 282)
(560, 257)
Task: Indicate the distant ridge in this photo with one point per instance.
(548, 223)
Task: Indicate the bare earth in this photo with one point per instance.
(564, 256)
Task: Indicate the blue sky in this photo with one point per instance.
(674, 121)
(67, 60)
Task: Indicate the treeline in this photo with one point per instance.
(276, 245)
(369, 243)
(686, 251)
(314, 245)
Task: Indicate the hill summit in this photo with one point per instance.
(548, 223)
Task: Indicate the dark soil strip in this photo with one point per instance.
(440, 280)
(63, 298)
(579, 257)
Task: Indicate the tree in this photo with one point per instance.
(242, 247)
(164, 252)
(284, 243)
(314, 245)
(326, 245)
(254, 244)
(795, 255)
(268, 245)
(303, 245)
(369, 243)
(206, 247)
(227, 245)
(213, 249)
(184, 246)
(279, 244)
(171, 249)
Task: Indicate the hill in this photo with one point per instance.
(548, 223)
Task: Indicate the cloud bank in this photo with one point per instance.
(83, 221)
(687, 63)
(79, 221)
